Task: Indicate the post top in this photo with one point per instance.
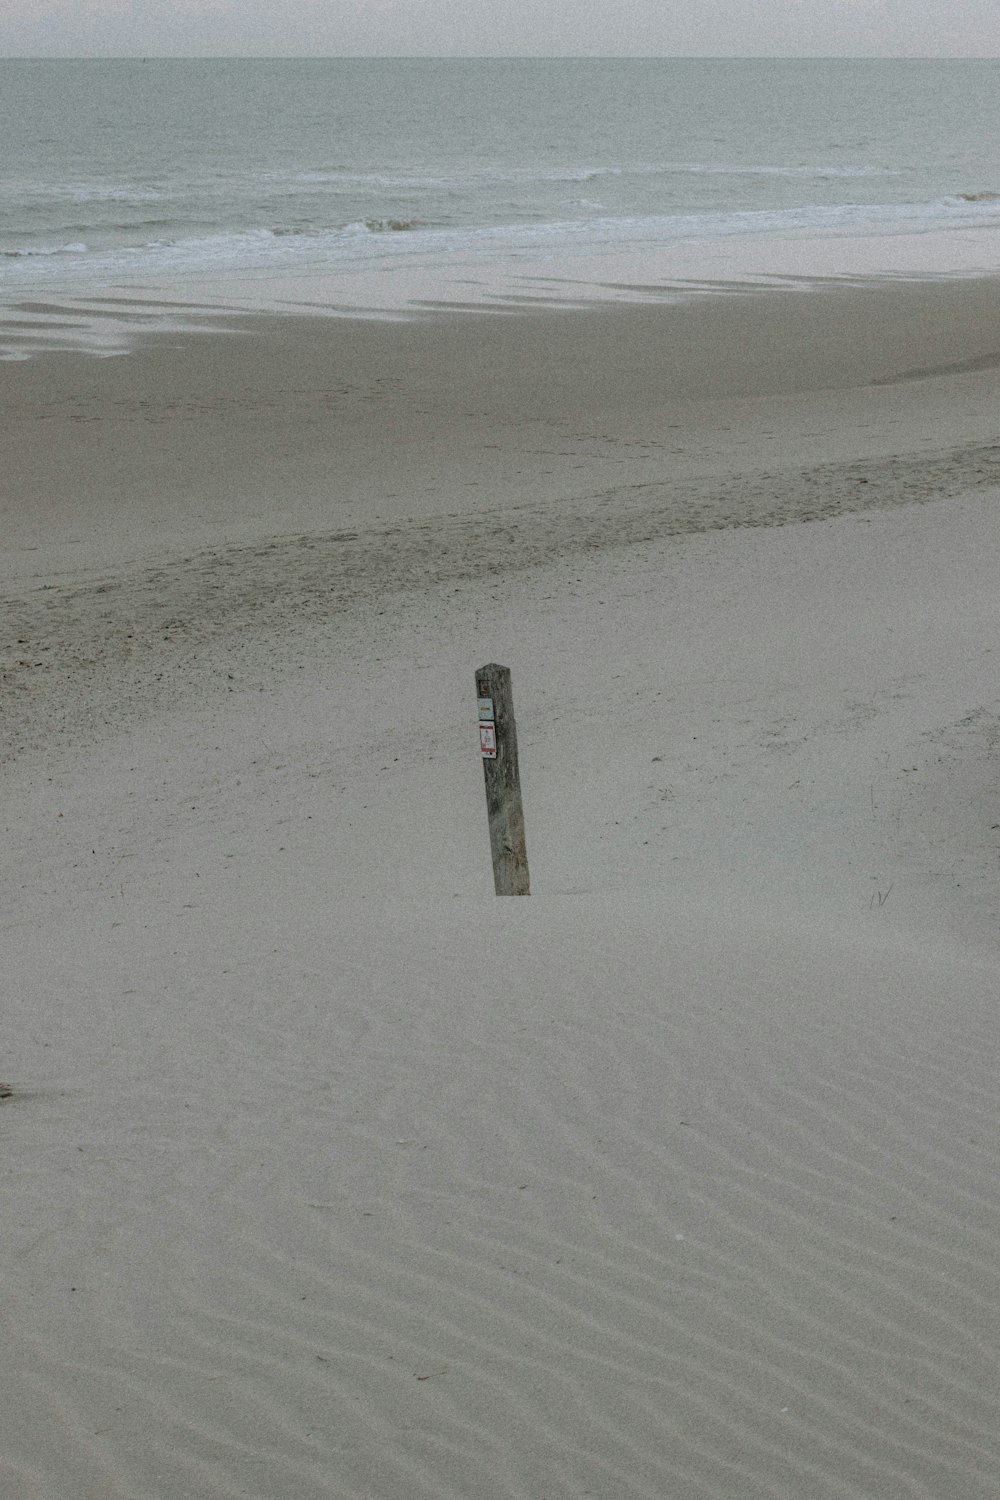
(490, 669)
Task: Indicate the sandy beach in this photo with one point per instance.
(326, 1173)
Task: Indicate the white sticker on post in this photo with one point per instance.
(488, 740)
(486, 708)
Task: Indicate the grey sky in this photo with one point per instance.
(887, 28)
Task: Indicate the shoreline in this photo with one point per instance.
(109, 314)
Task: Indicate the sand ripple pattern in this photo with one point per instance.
(451, 1210)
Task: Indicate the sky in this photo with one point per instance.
(136, 28)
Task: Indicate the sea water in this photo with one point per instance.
(389, 186)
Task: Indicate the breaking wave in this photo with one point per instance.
(384, 240)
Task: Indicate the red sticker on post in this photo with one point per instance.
(488, 740)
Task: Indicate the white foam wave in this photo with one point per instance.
(82, 192)
(708, 169)
(404, 241)
(812, 171)
(337, 177)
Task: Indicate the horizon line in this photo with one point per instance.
(147, 56)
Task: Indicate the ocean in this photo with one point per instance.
(391, 186)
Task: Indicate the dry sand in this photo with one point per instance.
(325, 1173)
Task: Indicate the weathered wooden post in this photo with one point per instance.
(498, 742)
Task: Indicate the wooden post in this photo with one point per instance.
(498, 742)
